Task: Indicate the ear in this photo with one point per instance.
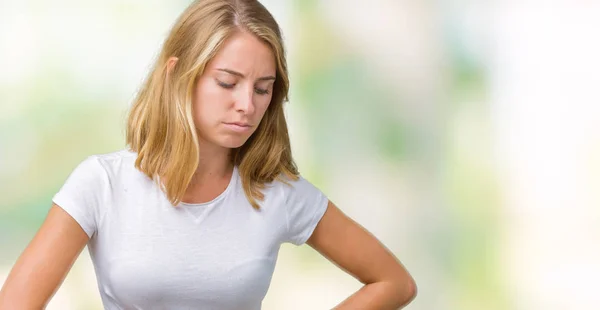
(171, 63)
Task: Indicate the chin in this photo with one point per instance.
(233, 142)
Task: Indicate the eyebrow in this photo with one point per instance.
(264, 78)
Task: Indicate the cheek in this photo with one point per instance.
(262, 104)
(209, 102)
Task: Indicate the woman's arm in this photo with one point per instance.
(42, 267)
(344, 242)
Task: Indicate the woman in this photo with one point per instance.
(192, 214)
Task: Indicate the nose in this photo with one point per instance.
(245, 101)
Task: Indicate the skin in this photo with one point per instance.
(232, 89)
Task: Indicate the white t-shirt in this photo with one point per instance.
(148, 254)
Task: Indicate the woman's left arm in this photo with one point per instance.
(388, 285)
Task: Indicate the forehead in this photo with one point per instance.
(245, 53)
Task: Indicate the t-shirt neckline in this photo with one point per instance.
(232, 181)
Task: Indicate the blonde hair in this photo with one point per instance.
(160, 126)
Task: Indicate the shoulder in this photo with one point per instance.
(114, 158)
(299, 183)
(105, 168)
(114, 163)
(294, 189)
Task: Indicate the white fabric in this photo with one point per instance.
(148, 254)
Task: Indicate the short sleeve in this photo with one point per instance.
(305, 205)
(83, 194)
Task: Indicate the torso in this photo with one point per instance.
(220, 253)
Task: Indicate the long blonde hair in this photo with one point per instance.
(160, 126)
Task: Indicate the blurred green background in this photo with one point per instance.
(463, 134)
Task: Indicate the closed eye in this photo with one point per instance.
(260, 91)
(225, 85)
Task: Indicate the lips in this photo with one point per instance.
(239, 127)
(240, 124)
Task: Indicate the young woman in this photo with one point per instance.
(192, 214)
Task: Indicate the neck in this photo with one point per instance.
(214, 162)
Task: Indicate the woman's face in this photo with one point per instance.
(235, 90)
